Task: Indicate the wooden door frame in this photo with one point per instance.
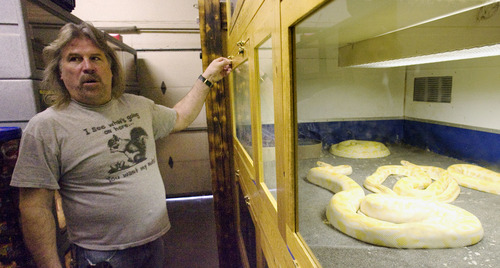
(213, 32)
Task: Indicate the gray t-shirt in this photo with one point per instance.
(103, 161)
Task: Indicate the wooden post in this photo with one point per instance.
(213, 36)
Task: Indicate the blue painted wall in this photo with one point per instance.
(473, 146)
(469, 145)
(386, 131)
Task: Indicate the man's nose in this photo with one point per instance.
(88, 66)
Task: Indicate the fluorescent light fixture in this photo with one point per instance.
(188, 198)
(462, 54)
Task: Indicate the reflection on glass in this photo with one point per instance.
(232, 4)
(265, 63)
(242, 112)
(393, 71)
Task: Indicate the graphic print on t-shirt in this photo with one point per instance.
(134, 148)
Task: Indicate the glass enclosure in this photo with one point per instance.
(421, 78)
(265, 72)
(242, 111)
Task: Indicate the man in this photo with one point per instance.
(96, 146)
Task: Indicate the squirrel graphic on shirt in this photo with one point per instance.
(134, 149)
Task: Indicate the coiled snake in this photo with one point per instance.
(392, 219)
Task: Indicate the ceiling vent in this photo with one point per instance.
(432, 89)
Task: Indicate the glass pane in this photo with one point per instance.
(242, 112)
(419, 78)
(232, 4)
(265, 62)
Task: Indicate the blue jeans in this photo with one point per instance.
(149, 255)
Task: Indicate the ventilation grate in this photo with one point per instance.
(432, 89)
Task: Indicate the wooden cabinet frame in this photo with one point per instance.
(277, 240)
(275, 220)
(253, 31)
(291, 12)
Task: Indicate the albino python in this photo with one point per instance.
(445, 188)
(359, 149)
(475, 177)
(417, 183)
(391, 220)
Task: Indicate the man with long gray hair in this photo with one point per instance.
(96, 145)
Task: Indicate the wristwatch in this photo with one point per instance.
(205, 81)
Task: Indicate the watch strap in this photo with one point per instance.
(205, 81)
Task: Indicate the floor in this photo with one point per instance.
(192, 241)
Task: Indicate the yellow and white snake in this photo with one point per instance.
(391, 218)
(359, 149)
(418, 182)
